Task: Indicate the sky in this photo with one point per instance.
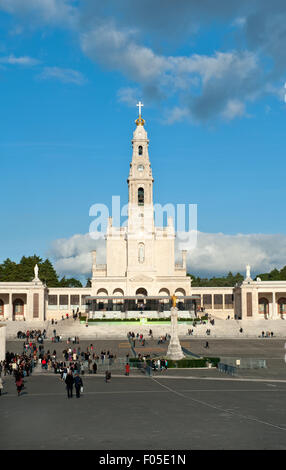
(211, 76)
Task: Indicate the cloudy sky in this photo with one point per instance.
(211, 76)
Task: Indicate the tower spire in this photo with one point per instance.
(140, 121)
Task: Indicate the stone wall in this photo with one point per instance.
(2, 342)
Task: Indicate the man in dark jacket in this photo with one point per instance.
(69, 383)
(78, 384)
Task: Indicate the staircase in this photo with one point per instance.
(221, 329)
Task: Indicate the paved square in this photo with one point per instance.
(144, 413)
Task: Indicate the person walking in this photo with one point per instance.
(19, 384)
(107, 376)
(78, 385)
(69, 383)
(1, 386)
(127, 369)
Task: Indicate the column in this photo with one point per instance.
(255, 304)
(212, 302)
(28, 306)
(223, 301)
(10, 307)
(274, 306)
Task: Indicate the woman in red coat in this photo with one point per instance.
(127, 369)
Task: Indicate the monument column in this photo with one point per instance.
(174, 350)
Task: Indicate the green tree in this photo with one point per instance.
(8, 271)
(71, 282)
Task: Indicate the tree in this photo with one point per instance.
(48, 275)
(8, 271)
(71, 282)
(24, 272)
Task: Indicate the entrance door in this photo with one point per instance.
(18, 308)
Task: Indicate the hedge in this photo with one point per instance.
(149, 320)
(213, 360)
(111, 319)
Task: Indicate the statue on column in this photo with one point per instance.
(174, 350)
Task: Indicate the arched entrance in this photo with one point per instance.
(102, 304)
(143, 293)
(282, 306)
(164, 304)
(118, 305)
(180, 291)
(263, 306)
(180, 303)
(18, 307)
(1, 307)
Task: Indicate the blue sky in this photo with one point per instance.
(212, 81)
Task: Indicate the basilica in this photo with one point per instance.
(140, 274)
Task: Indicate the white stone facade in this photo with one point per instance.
(140, 260)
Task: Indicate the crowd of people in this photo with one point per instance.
(163, 339)
(38, 335)
(159, 364)
(139, 337)
(19, 366)
(267, 334)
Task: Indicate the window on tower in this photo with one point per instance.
(140, 150)
(140, 196)
(141, 253)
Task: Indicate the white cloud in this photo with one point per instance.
(63, 75)
(24, 60)
(223, 81)
(73, 255)
(215, 253)
(216, 85)
(117, 49)
(220, 253)
(48, 11)
(128, 95)
(233, 109)
(176, 114)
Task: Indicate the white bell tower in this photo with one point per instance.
(140, 182)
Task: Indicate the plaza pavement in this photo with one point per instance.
(173, 409)
(144, 413)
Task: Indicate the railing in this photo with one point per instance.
(227, 369)
(245, 362)
(143, 367)
(131, 342)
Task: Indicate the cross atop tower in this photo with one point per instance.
(140, 105)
